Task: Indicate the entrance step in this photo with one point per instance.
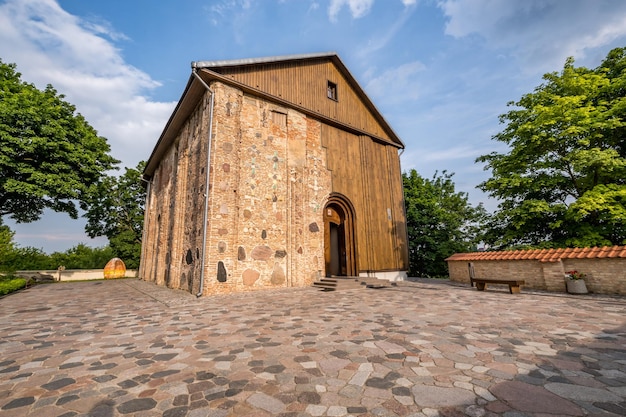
(335, 283)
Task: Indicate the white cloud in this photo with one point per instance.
(223, 11)
(358, 8)
(542, 33)
(51, 46)
(380, 41)
(396, 84)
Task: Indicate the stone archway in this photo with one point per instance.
(340, 256)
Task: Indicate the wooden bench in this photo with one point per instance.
(481, 283)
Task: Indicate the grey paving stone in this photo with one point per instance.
(19, 402)
(176, 412)
(309, 397)
(533, 399)
(379, 383)
(582, 393)
(66, 399)
(136, 405)
(58, 384)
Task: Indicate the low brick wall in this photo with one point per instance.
(72, 274)
(604, 275)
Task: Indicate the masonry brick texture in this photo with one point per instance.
(268, 182)
(603, 275)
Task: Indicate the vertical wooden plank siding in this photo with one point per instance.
(305, 84)
(399, 230)
(359, 164)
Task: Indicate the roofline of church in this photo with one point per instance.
(333, 56)
(262, 60)
(183, 105)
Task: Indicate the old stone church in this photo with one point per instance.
(273, 172)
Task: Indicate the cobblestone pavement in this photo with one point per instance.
(130, 348)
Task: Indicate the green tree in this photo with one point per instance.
(27, 259)
(440, 222)
(563, 180)
(7, 246)
(50, 157)
(82, 256)
(117, 213)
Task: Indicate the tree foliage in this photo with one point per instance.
(117, 212)
(7, 246)
(50, 157)
(563, 180)
(81, 256)
(440, 222)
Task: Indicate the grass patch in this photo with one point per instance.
(10, 283)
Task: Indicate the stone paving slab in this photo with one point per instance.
(426, 348)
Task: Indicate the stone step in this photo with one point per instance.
(334, 283)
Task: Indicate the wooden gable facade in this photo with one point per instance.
(273, 172)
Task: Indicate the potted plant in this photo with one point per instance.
(575, 283)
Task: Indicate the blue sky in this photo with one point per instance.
(440, 71)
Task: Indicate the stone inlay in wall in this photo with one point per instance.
(278, 275)
(247, 214)
(221, 247)
(280, 254)
(250, 276)
(261, 253)
(241, 253)
(222, 232)
(313, 227)
(264, 234)
(221, 272)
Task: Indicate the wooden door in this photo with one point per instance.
(339, 245)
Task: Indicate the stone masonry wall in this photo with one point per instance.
(173, 224)
(268, 186)
(604, 276)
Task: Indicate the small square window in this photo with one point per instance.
(332, 91)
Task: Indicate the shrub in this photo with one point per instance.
(9, 284)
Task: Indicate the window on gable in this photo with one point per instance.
(332, 91)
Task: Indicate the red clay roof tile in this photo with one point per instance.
(543, 255)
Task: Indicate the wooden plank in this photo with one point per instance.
(305, 84)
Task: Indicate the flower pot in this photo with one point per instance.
(576, 286)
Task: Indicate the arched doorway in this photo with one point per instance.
(339, 239)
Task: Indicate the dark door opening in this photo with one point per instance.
(337, 249)
(339, 245)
